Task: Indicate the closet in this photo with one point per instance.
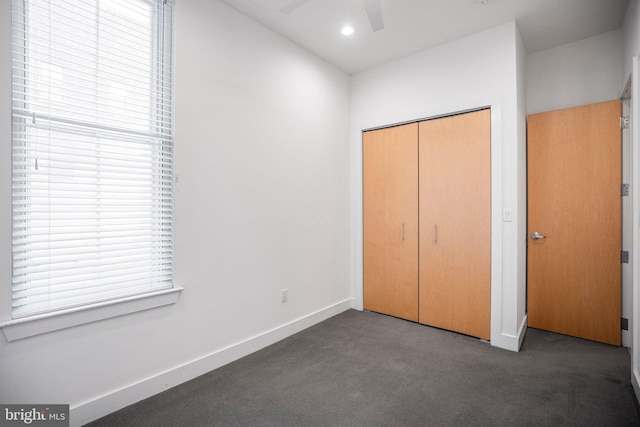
(427, 222)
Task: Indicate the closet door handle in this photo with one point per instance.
(435, 234)
(402, 231)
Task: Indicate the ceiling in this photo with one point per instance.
(411, 26)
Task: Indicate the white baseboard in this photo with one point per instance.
(512, 342)
(626, 338)
(523, 330)
(635, 381)
(118, 399)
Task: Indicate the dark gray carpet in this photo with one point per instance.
(367, 369)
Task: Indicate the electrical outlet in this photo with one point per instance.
(285, 295)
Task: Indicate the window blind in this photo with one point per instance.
(92, 151)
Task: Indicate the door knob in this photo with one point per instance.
(536, 236)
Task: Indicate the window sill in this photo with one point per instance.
(49, 322)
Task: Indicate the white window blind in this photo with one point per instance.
(92, 151)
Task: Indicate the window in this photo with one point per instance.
(92, 152)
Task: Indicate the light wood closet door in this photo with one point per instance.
(390, 159)
(574, 161)
(455, 223)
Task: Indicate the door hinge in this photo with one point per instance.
(624, 324)
(624, 122)
(624, 190)
(624, 257)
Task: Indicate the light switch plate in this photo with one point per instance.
(507, 215)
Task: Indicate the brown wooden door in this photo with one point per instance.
(455, 223)
(390, 177)
(574, 161)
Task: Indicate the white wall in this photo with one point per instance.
(480, 70)
(630, 38)
(262, 204)
(578, 73)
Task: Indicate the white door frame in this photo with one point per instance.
(626, 308)
(634, 258)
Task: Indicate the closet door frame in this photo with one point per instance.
(486, 334)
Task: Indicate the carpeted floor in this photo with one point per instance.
(367, 369)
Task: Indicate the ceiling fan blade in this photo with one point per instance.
(374, 12)
(292, 5)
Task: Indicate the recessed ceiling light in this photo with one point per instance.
(347, 30)
(484, 2)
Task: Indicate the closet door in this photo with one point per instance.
(455, 223)
(390, 178)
